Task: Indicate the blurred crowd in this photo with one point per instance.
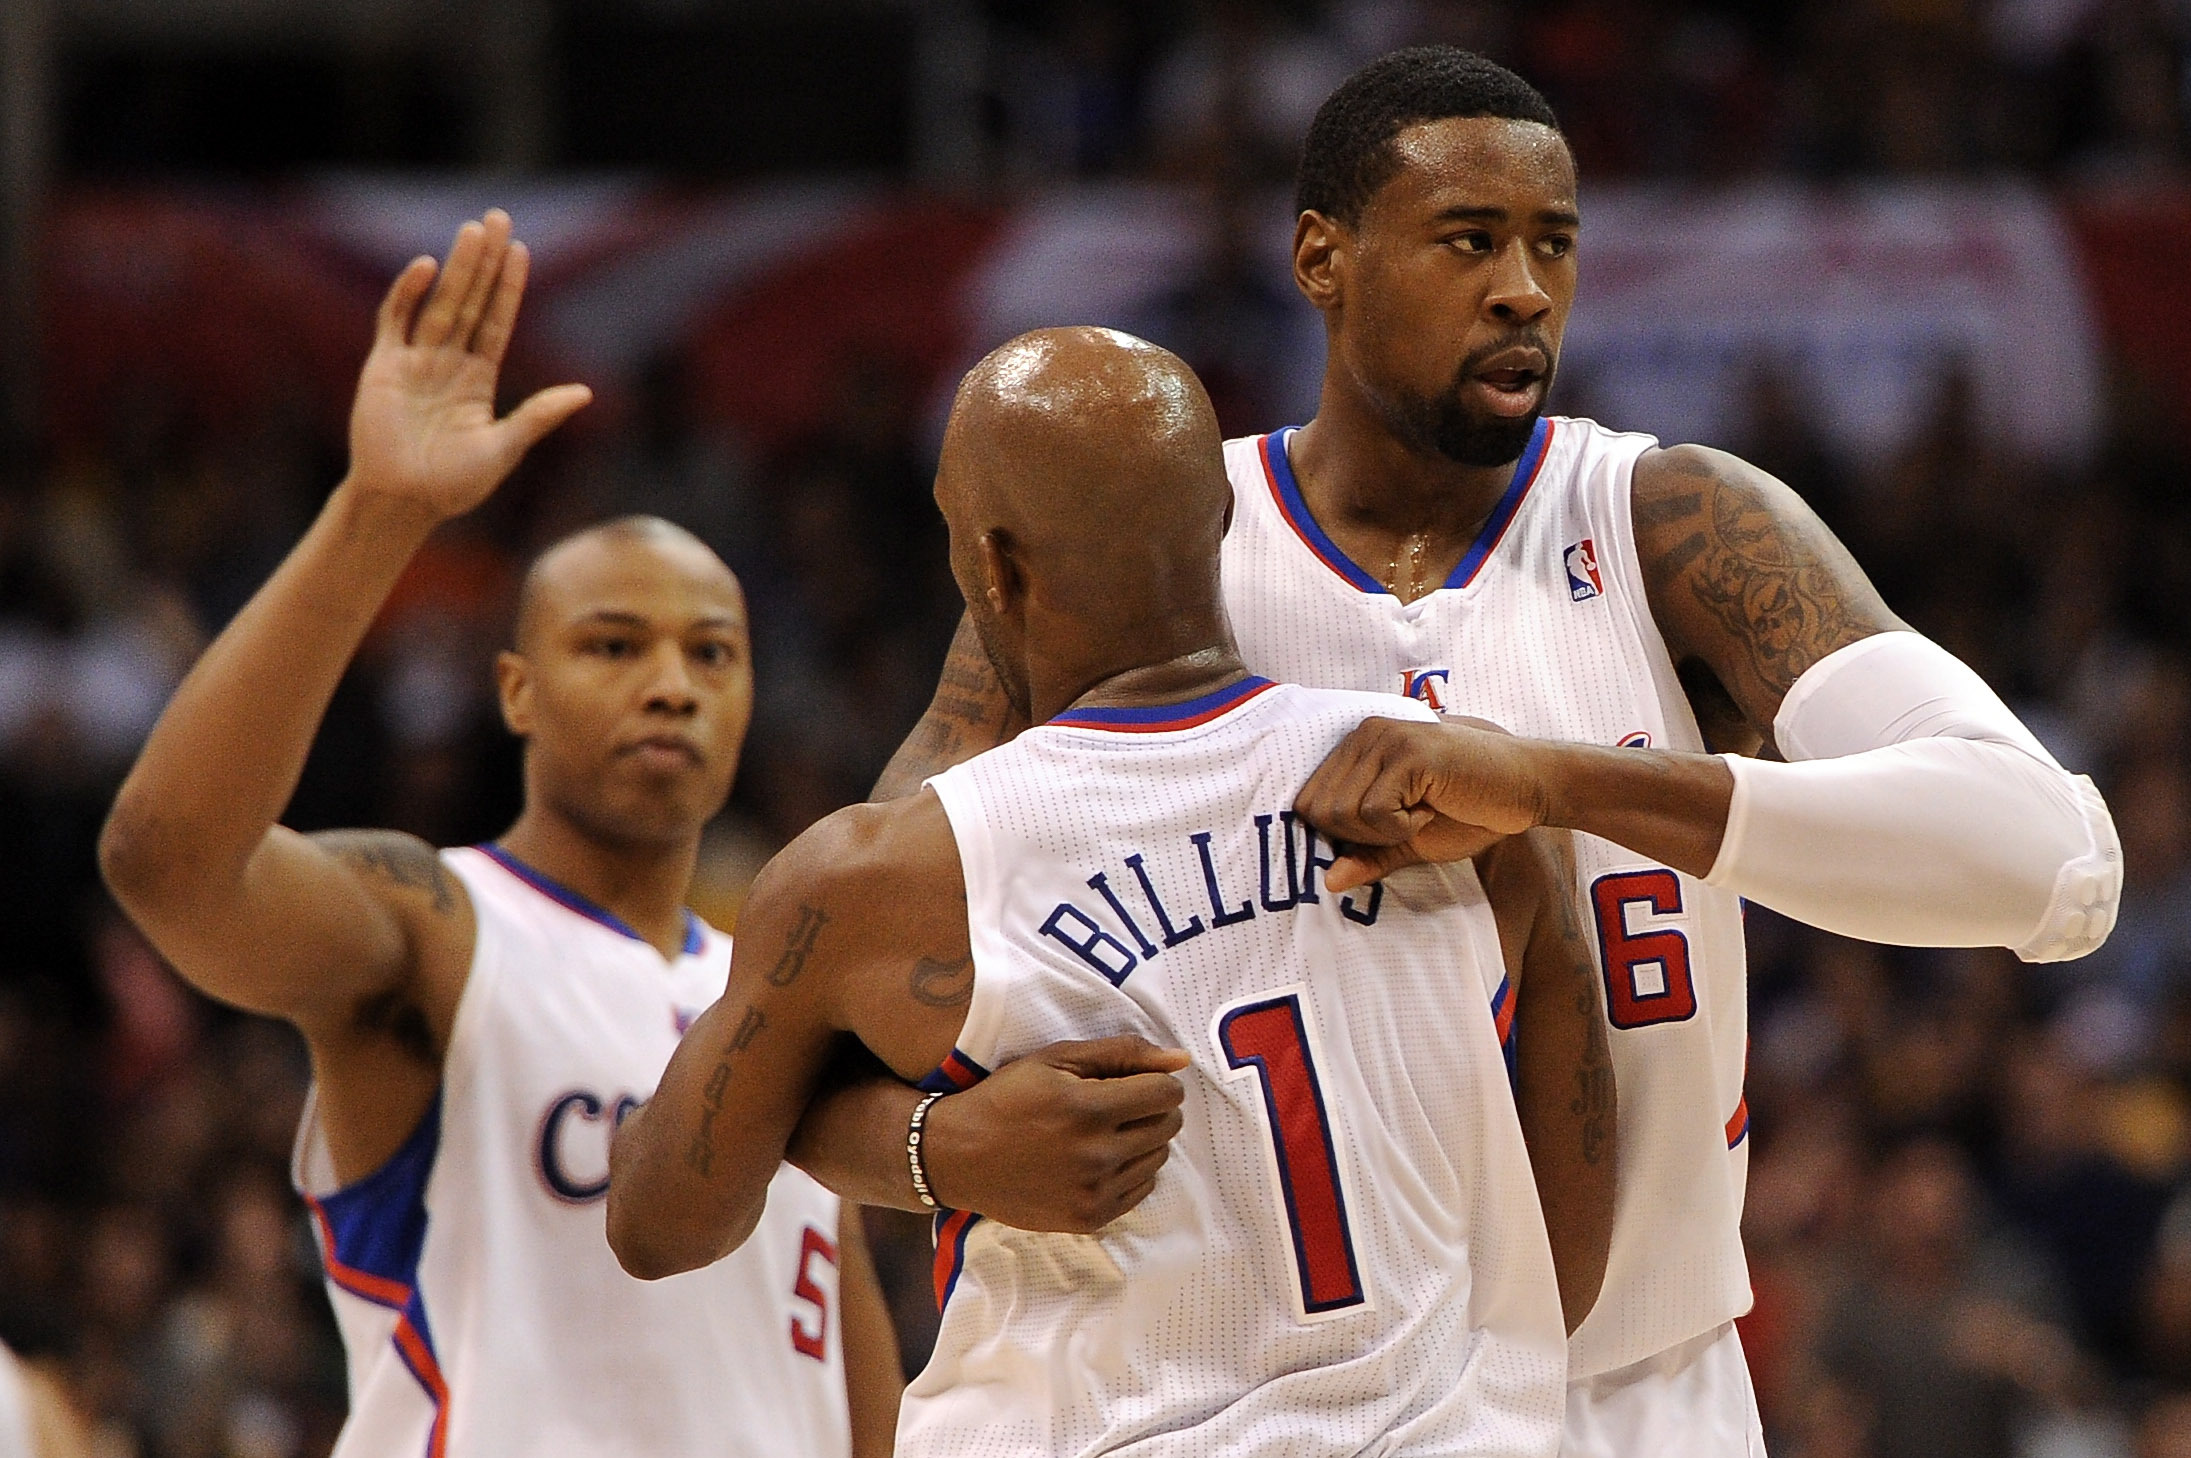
(1970, 1198)
(1702, 89)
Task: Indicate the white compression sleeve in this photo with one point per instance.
(1917, 809)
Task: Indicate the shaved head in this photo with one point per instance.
(1083, 478)
(560, 559)
(630, 680)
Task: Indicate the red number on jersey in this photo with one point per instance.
(1269, 1035)
(813, 1343)
(1646, 972)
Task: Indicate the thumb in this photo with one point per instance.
(1115, 1057)
(525, 427)
(1360, 866)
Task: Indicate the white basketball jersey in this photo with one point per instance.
(1543, 629)
(483, 1313)
(16, 1438)
(1344, 1254)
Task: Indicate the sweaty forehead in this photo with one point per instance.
(1522, 167)
(668, 581)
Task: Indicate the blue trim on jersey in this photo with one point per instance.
(1297, 513)
(373, 1233)
(1502, 1025)
(570, 900)
(1502, 513)
(1156, 717)
(955, 1074)
(1488, 536)
(378, 1224)
(954, 1261)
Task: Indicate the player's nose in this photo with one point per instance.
(1516, 295)
(671, 687)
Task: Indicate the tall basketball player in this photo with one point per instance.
(1342, 1256)
(481, 1020)
(1433, 532)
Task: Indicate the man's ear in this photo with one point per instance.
(1320, 259)
(1002, 582)
(514, 688)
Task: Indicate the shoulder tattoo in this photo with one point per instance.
(1766, 580)
(398, 860)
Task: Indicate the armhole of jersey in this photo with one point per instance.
(482, 978)
(984, 911)
(1617, 504)
(1244, 474)
(311, 1167)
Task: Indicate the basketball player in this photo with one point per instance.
(1335, 1261)
(482, 1019)
(38, 1418)
(1432, 532)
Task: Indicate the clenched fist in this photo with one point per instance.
(1399, 793)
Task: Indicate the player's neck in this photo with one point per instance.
(641, 884)
(1362, 483)
(1175, 680)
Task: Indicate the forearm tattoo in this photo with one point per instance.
(700, 1149)
(1594, 1100)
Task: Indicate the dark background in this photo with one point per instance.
(1968, 1215)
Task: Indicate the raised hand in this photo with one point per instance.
(423, 429)
(1398, 793)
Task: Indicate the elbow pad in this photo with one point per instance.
(1916, 808)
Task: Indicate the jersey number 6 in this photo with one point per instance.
(1267, 1037)
(1646, 971)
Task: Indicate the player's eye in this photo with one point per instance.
(1474, 241)
(714, 655)
(611, 647)
(1557, 245)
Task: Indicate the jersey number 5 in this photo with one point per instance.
(1646, 971)
(813, 1343)
(1266, 1037)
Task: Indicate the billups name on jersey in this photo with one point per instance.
(1130, 920)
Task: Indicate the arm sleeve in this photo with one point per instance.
(1915, 808)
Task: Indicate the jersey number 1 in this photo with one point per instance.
(1647, 977)
(1267, 1037)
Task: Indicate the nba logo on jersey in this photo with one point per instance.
(1426, 684)
(1583, 582)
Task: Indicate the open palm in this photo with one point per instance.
(423, 427)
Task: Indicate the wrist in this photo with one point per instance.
(1548, 771)
(935, 1122)
(360, 508)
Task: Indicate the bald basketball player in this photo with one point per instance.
(1344, 1253)
(1622, 608)
(480, 1020)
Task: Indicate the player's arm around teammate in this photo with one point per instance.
(839, 938)
(359, 937)
(1060, 1140)
(1909, 804)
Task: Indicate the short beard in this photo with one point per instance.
(1445, 425)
